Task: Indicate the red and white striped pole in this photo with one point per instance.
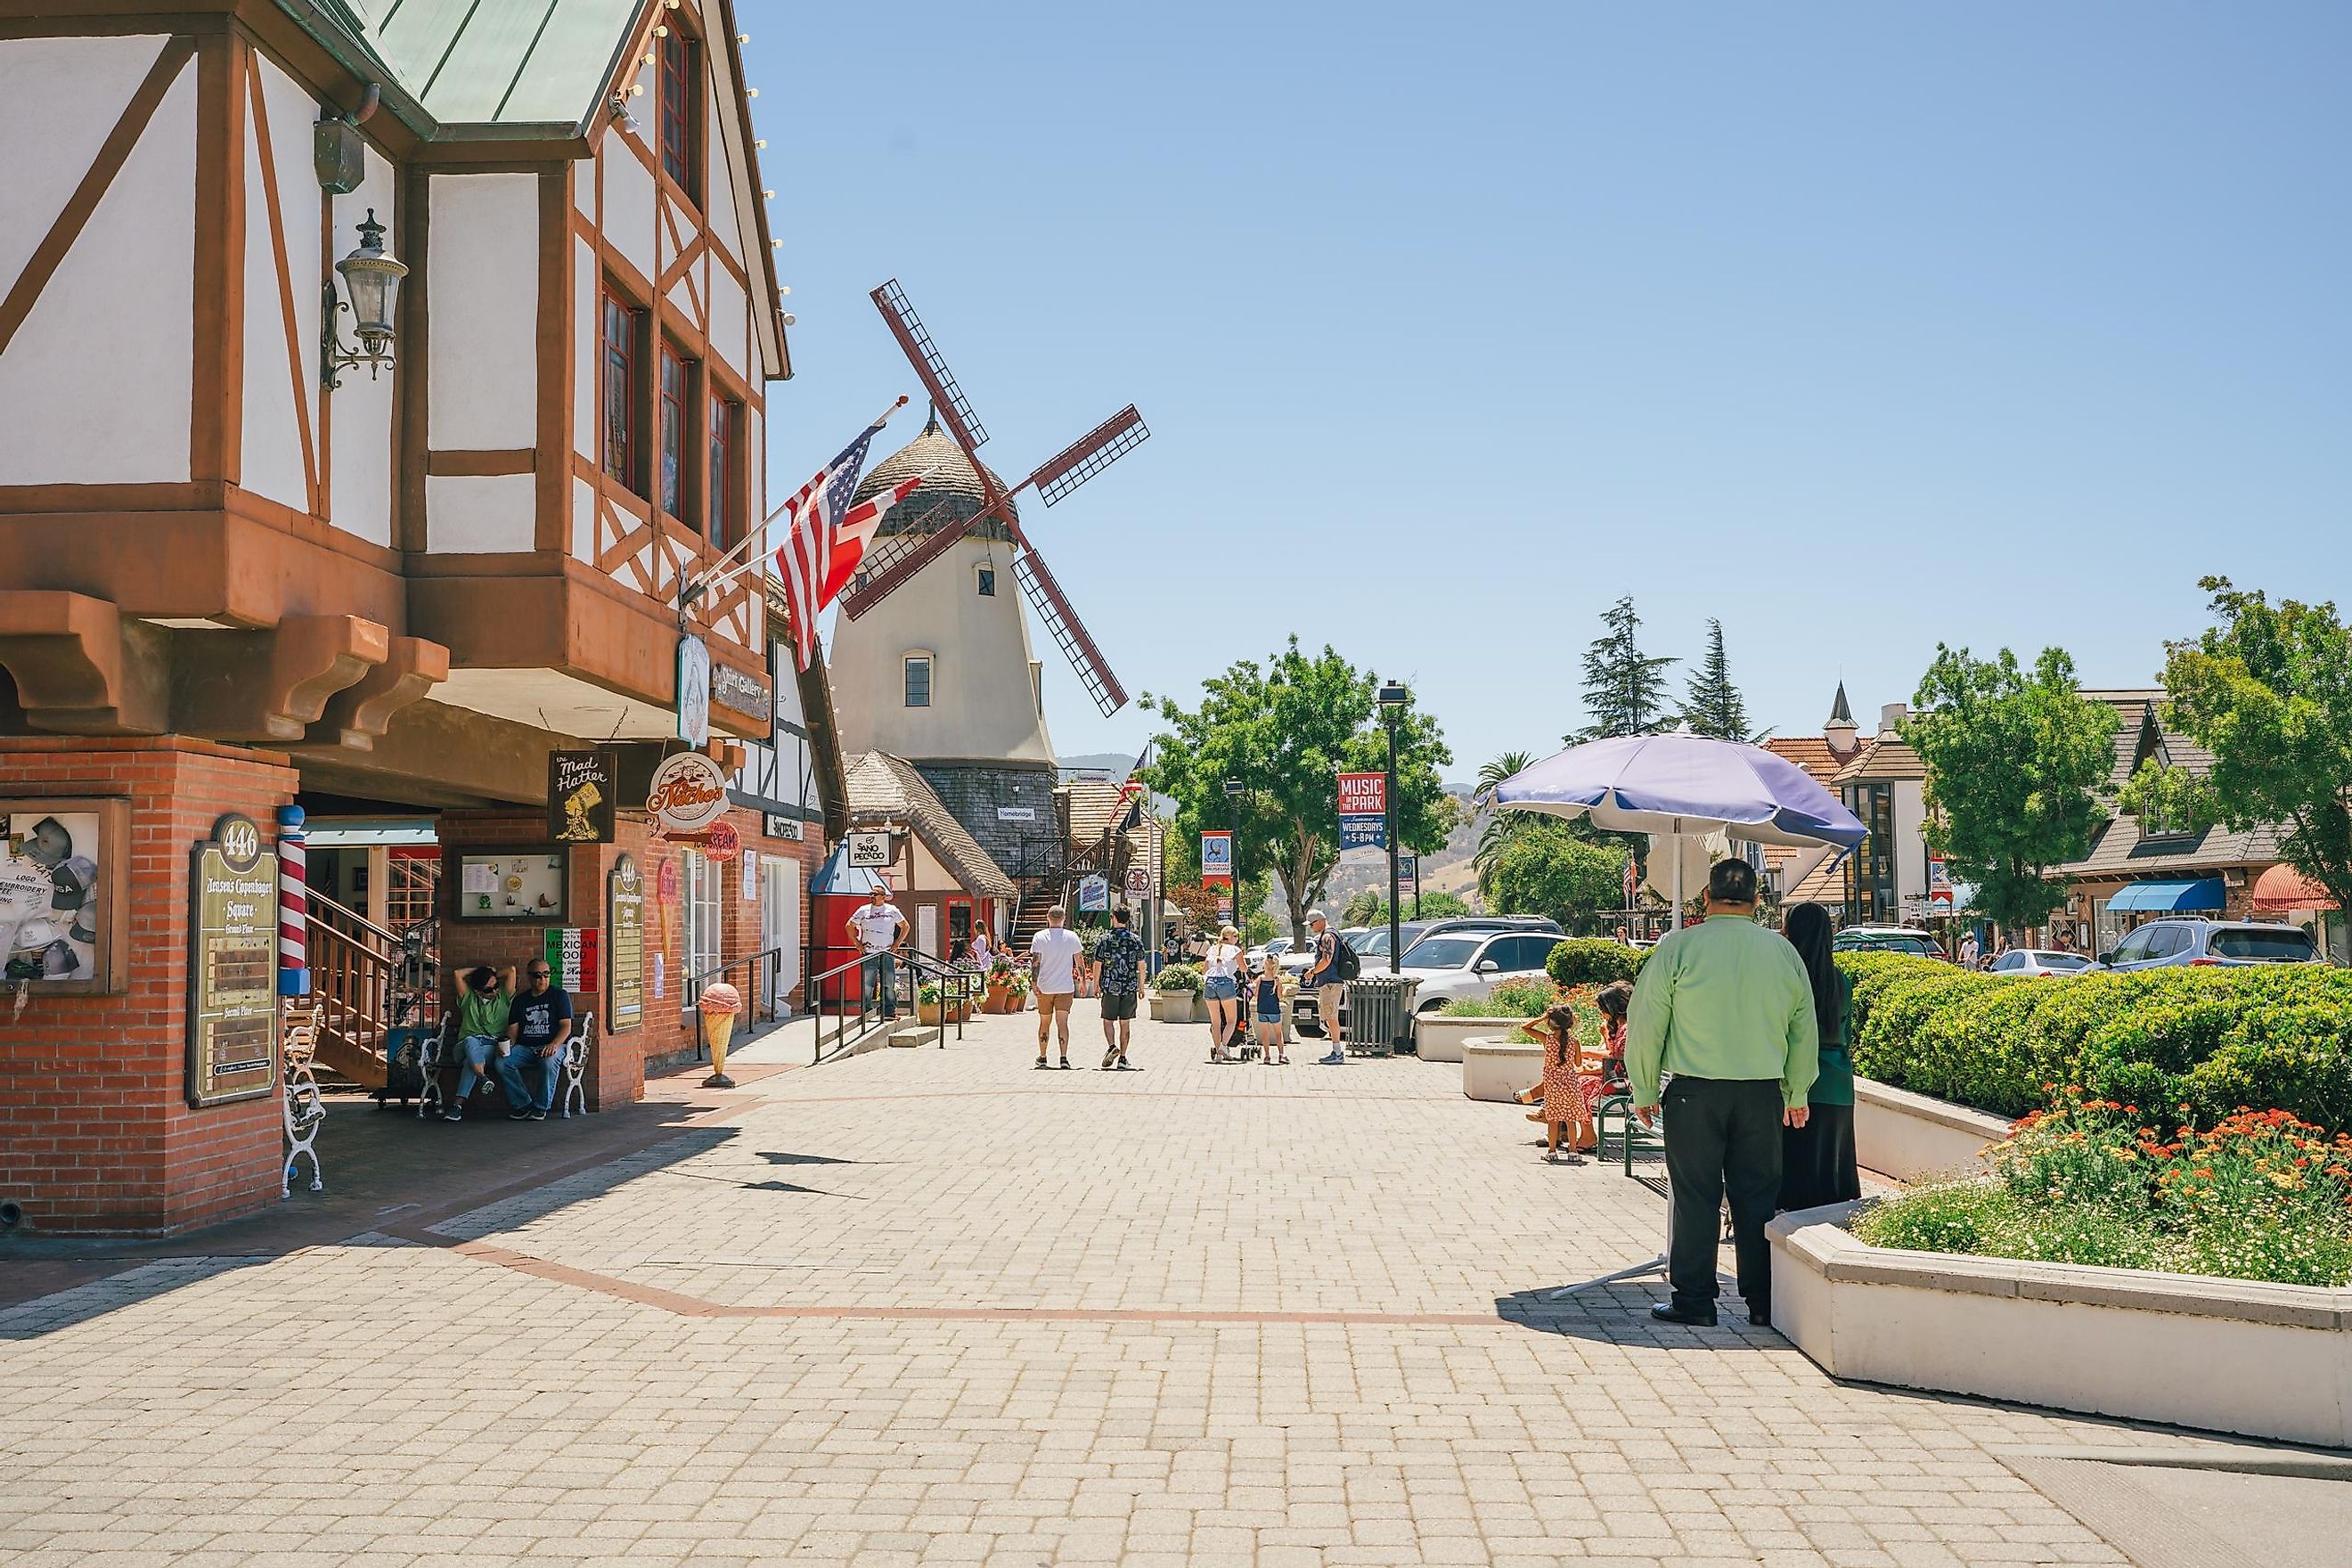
(293, 905)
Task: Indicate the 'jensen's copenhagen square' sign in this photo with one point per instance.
(232, 966)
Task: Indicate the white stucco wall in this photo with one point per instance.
(76, 413)
(281, 390)
(361, 477)
(484, 298)
(628, 204)
(1910, 840)
(718, 186)
(480, 514)
(982, 707)
(729, 323)
(584, 520)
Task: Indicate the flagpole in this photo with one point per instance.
(720, 574)
(721, 580)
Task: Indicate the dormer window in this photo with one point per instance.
(681, 109)
(987, 580)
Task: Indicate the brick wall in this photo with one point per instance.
(96, 1132)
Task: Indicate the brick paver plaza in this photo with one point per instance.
(926, 1307)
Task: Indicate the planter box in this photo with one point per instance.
(2227, 1355)
(1437, 1038)
(928, 1013)
(1173, 1006)
(1495, 1069)
(1909, 1136)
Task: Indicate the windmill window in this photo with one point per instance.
(919, 680)
(1037, 686)
(988, 582)
(681, 109)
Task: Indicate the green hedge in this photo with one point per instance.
(1593, 961)
(2212, 1039)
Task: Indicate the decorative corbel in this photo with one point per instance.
(80, 666)
(271, 685)
(356, 716)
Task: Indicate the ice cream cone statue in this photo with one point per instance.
(719, 1003)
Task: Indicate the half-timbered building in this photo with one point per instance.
(379, 376)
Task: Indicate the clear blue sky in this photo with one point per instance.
(1859, 326)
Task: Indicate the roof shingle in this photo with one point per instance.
(884, 789)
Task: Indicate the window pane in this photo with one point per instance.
(722, 472)
(988, 582)
(918, 683)
(620, 376)
(2287, 943)
(678, 107)
(672, 429)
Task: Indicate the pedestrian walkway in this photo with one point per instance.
(927, 1306)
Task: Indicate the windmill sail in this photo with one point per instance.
(1063, 624)
(930, 366)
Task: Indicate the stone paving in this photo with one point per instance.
(934, 1307)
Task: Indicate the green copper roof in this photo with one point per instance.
(501, 62)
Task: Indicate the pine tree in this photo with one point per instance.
(1624, 689)
(1713, 706)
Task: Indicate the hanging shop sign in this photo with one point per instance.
(624, 1000)
(721, 842)
(1094, 895)
(581, 787)
(1016, 814)
(1217, 858)
(572, 952)
(232, 966)
(779, 826)
(869, 851)
(731, 687)
(1139, 882)
(688, 795)
(513, 884)
(693, 691)
(1363, 811)
(750, 876)
(62, 864)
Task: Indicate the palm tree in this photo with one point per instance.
(1501, 826)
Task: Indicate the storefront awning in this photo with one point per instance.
(2283, 887)
(2205, 893)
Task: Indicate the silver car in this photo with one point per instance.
(2161, 944)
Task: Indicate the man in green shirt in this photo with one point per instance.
(1725, 1007)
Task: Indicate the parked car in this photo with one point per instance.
(2041, 962)
(1277, 947)
(1887, 939)
(1294, 960)
(2161, 944)
(1466, 956)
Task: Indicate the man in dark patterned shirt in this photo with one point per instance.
(1118, 981)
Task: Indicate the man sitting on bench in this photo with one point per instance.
(538, 1027)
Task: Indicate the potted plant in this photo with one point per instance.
(1174, 992)
(1005, 988)
(931, 1006)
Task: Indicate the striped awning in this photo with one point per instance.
(2283, 887)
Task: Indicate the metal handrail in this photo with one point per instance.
(754, 993)
(957, 985)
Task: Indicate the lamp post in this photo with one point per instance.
(1393, 697)
(1234, 791)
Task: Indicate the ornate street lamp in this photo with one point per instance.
(1393, 697)
(372, 277)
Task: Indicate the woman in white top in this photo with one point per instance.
(980, 955)
(1221, 984)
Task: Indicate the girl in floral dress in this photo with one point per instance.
(1565, 1063)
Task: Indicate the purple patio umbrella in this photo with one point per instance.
(1681, 785)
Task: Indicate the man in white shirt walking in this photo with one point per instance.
(1055, 951)
(879, 928)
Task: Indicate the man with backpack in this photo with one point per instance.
(1335, 965)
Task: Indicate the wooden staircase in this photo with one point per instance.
(1029, 914)
(356, 975)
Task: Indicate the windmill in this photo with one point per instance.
(885, 570)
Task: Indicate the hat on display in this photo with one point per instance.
(85, 923)
(48, 844)
(72, 879)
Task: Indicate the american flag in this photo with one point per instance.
(823, 523)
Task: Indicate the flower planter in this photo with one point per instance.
(2228, 1355)
(1173, 1006)
(1497, 1069)
(1002, 999)
(929, 1011)
(1909, 1136)
(1438, 1038)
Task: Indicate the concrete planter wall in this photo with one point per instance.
(1437, 1038)
(1495, 1070)
(1173, 1006)
(2228, 1355)
(1909, 1136)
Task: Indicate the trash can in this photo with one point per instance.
(1380, 1013)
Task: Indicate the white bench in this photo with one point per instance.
(434, 1054)
(305, 1108)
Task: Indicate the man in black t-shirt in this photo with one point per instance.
(538, 1026)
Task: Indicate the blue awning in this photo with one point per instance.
(2205, 893)
(837, 877)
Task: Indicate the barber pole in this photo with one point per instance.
(293, 906)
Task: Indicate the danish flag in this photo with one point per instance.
(828, 535)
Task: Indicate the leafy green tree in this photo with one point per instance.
(1624, 689)
(1369, 908)
(1286, 729)
(1712, 704)
(2169, 799)
(1500, 826)
(1549, 869)
(2269, 692)
(2014, 760)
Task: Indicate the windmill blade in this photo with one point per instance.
(898, 568)
(1062, 623)
(930, 367)
(1090, 454)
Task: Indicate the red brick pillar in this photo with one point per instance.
(96, 1132)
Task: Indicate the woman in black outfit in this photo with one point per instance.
(1817, 1164)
